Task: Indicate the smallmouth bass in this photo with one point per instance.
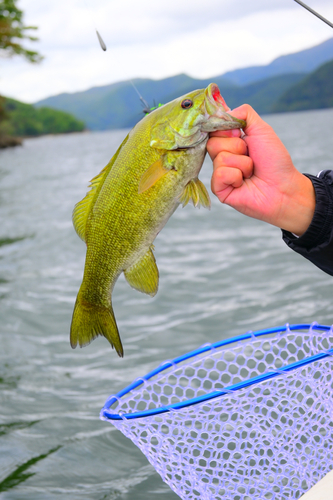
(153, 171)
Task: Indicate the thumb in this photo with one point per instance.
(254, 124)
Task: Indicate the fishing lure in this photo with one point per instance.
(146, 108)
(101, 41)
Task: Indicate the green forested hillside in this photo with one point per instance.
(25, 120)
(118, 105)
(286, 84)
(262, 95)
(304, 61)
(313, 92)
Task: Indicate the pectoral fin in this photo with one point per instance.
(154, 173)
(143, 274)
(196, 192)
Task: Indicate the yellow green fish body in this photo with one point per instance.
(154, 170)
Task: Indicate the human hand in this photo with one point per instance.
(255, 175)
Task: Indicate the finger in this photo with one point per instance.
(224, 180)
(253, 120)
(233, 145)
(242, 163)
(226, 133)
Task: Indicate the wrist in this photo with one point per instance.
(299, 206)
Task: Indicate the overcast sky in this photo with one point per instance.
(156, 39)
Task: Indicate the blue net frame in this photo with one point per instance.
(247, 417)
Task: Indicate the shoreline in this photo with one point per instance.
(7, 141)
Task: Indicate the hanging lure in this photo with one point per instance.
(101, 41)
(146, 108)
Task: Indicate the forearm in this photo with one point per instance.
(316, 244)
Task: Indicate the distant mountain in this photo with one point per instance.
(304, 61)
(118, 106)
(261, 95)
(313, 92)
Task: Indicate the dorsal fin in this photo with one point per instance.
(83, 207)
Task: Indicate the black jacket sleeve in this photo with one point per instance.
(316, 244)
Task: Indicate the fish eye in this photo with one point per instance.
(186, 104)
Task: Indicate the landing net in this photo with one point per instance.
(249, 417)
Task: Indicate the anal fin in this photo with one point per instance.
(196, 192)
(143, 275)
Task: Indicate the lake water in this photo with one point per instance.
(221, 274)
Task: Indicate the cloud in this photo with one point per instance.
(67, 22)
(155, 39)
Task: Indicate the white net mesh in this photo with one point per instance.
(269, 440)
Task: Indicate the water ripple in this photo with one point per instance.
(221, 274)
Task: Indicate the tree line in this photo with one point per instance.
(16, 118)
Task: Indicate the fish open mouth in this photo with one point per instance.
(215, 109)
(214, 92)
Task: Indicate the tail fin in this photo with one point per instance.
(89, 321)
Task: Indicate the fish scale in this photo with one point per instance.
(154, 170)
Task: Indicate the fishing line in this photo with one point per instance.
(146, 107)
(100, 39)
(314, 12)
